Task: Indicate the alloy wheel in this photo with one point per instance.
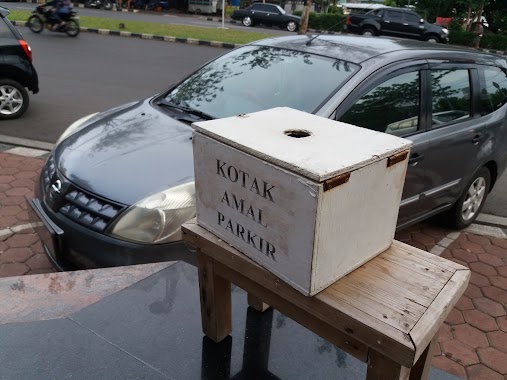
(11, 100)
(474, 198)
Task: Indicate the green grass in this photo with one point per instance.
(181, 31)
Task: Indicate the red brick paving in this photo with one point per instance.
(484, 329)
(472, 341)
(20, 253)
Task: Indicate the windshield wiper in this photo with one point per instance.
(187, 109)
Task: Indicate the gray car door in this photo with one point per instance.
(392, 102)
(456, 136)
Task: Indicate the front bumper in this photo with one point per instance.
(70, 246)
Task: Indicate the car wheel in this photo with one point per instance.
(247, 21)
(433, 39)
(368, 32)
(470, 203)
(292, 26)
(13, 99)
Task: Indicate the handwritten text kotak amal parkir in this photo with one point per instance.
(259, 187)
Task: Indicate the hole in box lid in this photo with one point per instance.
(297, 133)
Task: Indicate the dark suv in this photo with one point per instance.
(395, 22)
(16, 70)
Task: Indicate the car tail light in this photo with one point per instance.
(26, 48)
(347, 21)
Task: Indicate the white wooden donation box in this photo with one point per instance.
(308, 198)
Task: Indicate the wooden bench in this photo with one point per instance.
(386, 313)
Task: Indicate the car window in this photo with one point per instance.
(271, 9)
(257, 7)
(391, 107)
(493, 89)
(409, 17)
(393, 16)
(255, 78)
(450, 95)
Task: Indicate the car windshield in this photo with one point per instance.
(254, 78)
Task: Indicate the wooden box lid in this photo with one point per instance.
(330, 149)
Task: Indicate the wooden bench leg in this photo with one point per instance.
(421, 369)
(215, 294)
(383, 368)
(256, 303)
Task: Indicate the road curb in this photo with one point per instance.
(491, 220)
(144, 36)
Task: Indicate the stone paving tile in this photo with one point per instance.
(485, 323)
(498, 340)
(20, 252)
(481, 372)
(472, 341)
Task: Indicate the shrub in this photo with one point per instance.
(488, 40)
(461, 37)
(334, 9)
(326, 21)
(494, 41)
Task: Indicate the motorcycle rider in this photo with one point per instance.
(58, 11)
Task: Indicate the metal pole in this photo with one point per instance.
(223, 14)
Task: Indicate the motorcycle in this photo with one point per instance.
(106, 4)
(44, 17)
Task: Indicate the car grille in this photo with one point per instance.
(48, 172)
(89, 211)
(77, 204)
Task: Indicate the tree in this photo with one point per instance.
(304, 20)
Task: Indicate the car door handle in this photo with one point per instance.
(477, 138)
(405, 24)
(387, 22)
(414, 159)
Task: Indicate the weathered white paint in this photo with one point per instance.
(318, 236)
(333, 147)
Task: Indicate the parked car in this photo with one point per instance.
(395, 22)
(267, 14)
(17, 73)
(118, 184)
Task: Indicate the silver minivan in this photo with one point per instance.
(119, 184)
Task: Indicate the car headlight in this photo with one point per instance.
(74, 127)
(158, 218)
(446, 31)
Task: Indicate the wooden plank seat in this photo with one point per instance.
(387, 312)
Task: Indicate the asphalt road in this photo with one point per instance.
(90, 73)
(162, 18)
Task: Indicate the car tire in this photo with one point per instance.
(14, 99)
(292, 26)
(469, 204)
(368, 32)
(433, 39)
(247, 21)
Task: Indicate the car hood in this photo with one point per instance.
(127, 155)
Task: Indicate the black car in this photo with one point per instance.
(267, 14)
(395, 22)
(16, 70)
(118, 185)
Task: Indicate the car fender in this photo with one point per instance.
(18, 74)
(370, 24)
